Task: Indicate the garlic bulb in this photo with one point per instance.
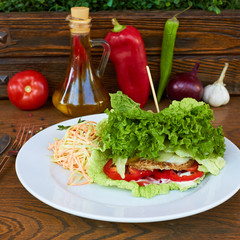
(216, 94)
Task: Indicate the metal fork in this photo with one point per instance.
(25, 132)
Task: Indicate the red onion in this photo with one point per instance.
(185, 85)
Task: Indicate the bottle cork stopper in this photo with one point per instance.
(80, 12)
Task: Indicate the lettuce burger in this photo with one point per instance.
(152, 153)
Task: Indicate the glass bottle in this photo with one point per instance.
(82, 92)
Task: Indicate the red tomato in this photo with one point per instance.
(159, 174)
(174, 176)
(111, 171)
(134, 174)
(143, 182)
(131, 173)
(194, 167)
(28, 90)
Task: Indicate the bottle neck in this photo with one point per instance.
(79, 26)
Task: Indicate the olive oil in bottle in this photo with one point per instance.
(82, 92)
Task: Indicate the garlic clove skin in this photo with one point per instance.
(207, 92)
(216, 95)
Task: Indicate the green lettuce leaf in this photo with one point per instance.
(212, 165)
(120, 164)
(121, 103)
(185, 126)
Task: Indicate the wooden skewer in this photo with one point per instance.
(152, 87)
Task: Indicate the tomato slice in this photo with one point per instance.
(130, 174)
(194, 167)
(161, 174)
(143, 182)
(134, 174)
(176, 176)
(111, 171)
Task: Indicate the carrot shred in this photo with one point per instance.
(73, 152)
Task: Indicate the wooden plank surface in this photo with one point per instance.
(41, 42)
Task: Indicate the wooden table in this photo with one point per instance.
(22, 216)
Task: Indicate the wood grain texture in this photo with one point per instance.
(41, 42)
(22, 216)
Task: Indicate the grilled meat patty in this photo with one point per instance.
(144, 164)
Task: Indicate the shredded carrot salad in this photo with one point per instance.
(74, 151)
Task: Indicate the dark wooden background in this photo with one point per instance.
(40, 41)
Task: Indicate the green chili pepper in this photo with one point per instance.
(168, 43)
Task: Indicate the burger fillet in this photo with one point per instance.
(144, 164)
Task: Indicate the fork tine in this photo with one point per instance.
(32, 132)
(18, 137)
(23, 134)
(27, 132)
(21, 138)
(3, 162)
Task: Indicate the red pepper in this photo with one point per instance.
(79, 51)
(129, 57)
(79, 60)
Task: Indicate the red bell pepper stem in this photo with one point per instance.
(117, 27)
(129, 57)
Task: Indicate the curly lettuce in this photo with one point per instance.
(184, 126)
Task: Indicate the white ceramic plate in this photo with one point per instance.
(48, 182)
